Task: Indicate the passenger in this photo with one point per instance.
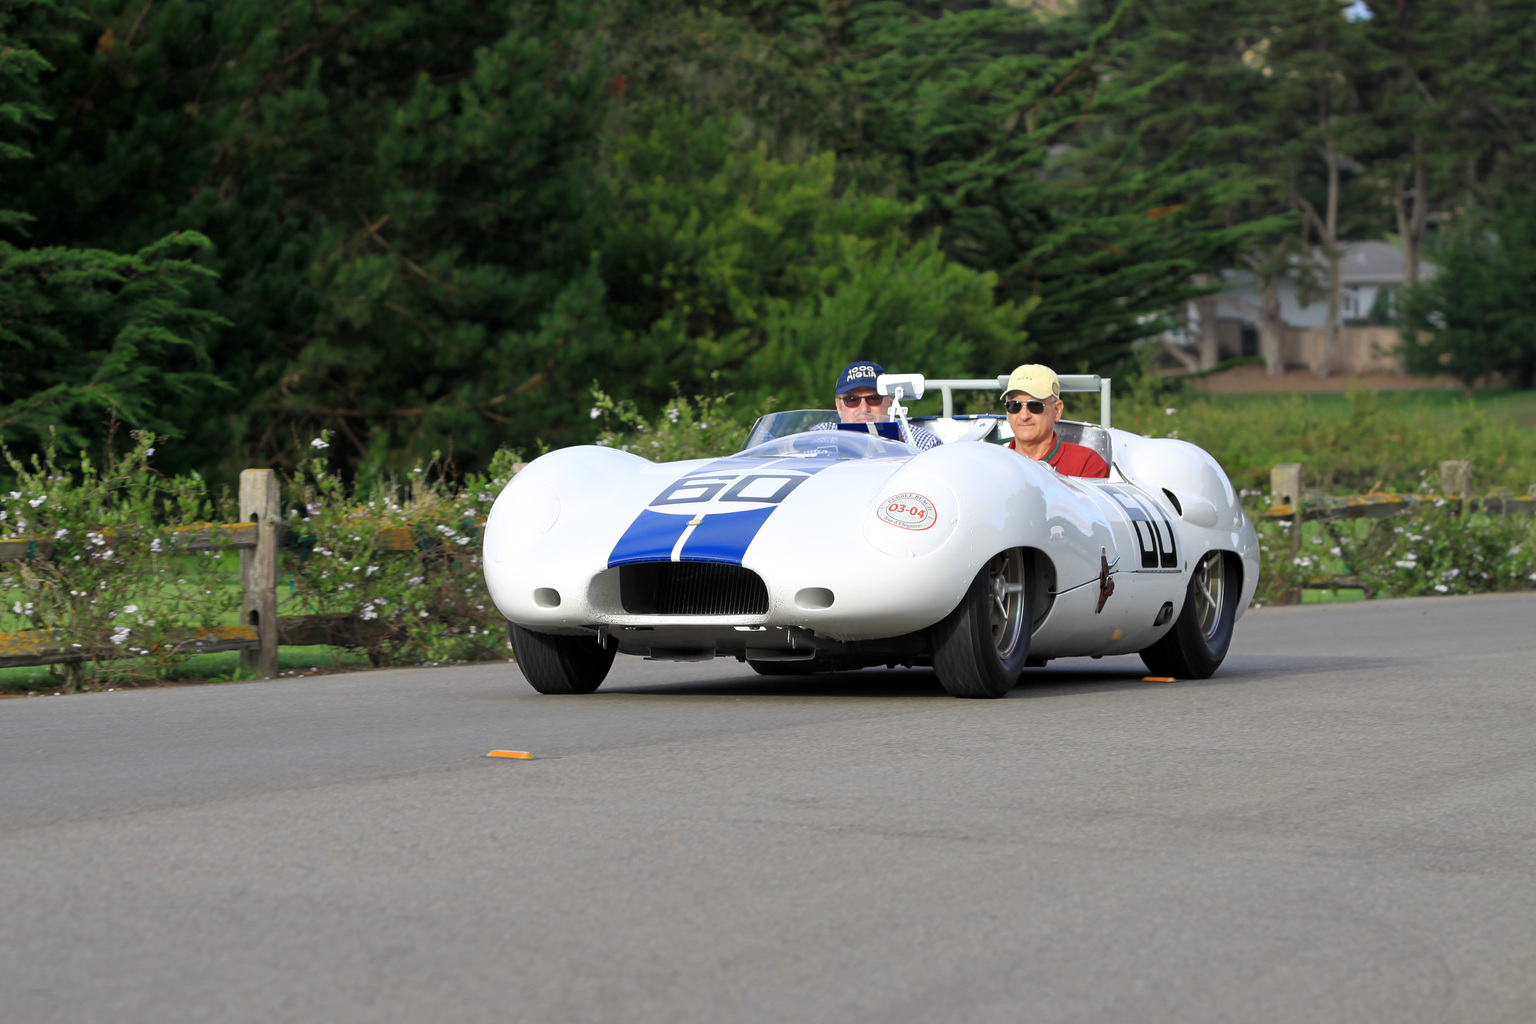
(857, 401)
(1033, 403)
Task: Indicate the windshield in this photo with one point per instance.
(828, 444)
(782, 424)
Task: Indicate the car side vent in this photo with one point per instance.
(691, 588)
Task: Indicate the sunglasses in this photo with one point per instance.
(852, 401)
(1013, 405)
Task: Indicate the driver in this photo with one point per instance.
(1033, 403)
(857, 401)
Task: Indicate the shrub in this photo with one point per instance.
(344, 558)
(116, 582)
(697, 428)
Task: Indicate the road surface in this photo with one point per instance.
(1339, 827)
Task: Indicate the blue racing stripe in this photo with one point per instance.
(650, 538)
(724, 536)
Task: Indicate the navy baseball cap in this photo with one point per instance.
(860, 374)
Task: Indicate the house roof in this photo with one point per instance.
(1377, 263)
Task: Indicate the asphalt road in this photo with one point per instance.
(1341, 826)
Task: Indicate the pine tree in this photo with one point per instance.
(88, 337)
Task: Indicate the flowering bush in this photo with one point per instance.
(1436, 549)
(404, 554)
(116, 582)
(703, 428)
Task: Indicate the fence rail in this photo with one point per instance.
(257, 537)
(1291, 505)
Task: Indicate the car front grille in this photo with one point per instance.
(691, 588)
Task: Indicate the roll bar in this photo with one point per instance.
(1081, 383)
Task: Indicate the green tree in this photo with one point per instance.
(88, 337)
(724, 264)
(1477, 316)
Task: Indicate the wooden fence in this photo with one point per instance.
(260, 630)
(256, 537)
(1291, 505)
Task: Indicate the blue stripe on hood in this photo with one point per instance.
(725, 536)
(722, 536)
(650, 538)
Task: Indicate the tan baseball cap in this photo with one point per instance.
(1034, 380)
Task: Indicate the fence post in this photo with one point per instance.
(1285, 489)
(1456, 478)
(258, 569)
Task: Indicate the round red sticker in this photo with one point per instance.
(908, 511)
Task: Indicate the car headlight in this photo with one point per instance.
(524, 511)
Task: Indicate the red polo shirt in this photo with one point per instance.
(1070, 459)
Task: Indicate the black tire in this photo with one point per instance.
(980, 647)
(787, 668)
(560, 664)
(1196, 645)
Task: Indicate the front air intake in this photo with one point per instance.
(691, 588)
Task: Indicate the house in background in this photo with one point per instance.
(1373, 276)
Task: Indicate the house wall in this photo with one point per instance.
(1358, 349)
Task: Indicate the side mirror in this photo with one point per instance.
(910, 385)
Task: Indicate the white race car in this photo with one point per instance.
(823, 548)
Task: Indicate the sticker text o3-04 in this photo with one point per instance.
(908, 510)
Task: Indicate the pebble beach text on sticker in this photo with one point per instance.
(908, 510)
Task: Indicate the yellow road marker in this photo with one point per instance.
(520, 754)
(1158, 679)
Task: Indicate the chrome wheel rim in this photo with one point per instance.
(1210, 585)
(1005, 605)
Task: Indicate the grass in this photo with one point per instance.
(1352, 443)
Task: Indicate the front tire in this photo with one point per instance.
(560, 664)
(980, 647)
(1197, 644)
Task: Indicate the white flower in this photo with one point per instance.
(414, 580)
(38, 501)
(129, 609)
(1169, 412)
(672, 413)
(319, 442)
(594, 412)
(371, 570)
(119, 634)
(1405, 564)
(59, 533)
(1441, 588)
(154, 545)
(1335, 552)
(367, 613)
(148, 452)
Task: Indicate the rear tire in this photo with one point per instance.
(1196, 645)
(560, 664)
(980, 647)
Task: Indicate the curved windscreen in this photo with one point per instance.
(782, 424)
(828, 444)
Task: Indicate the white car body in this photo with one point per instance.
(861, 545)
